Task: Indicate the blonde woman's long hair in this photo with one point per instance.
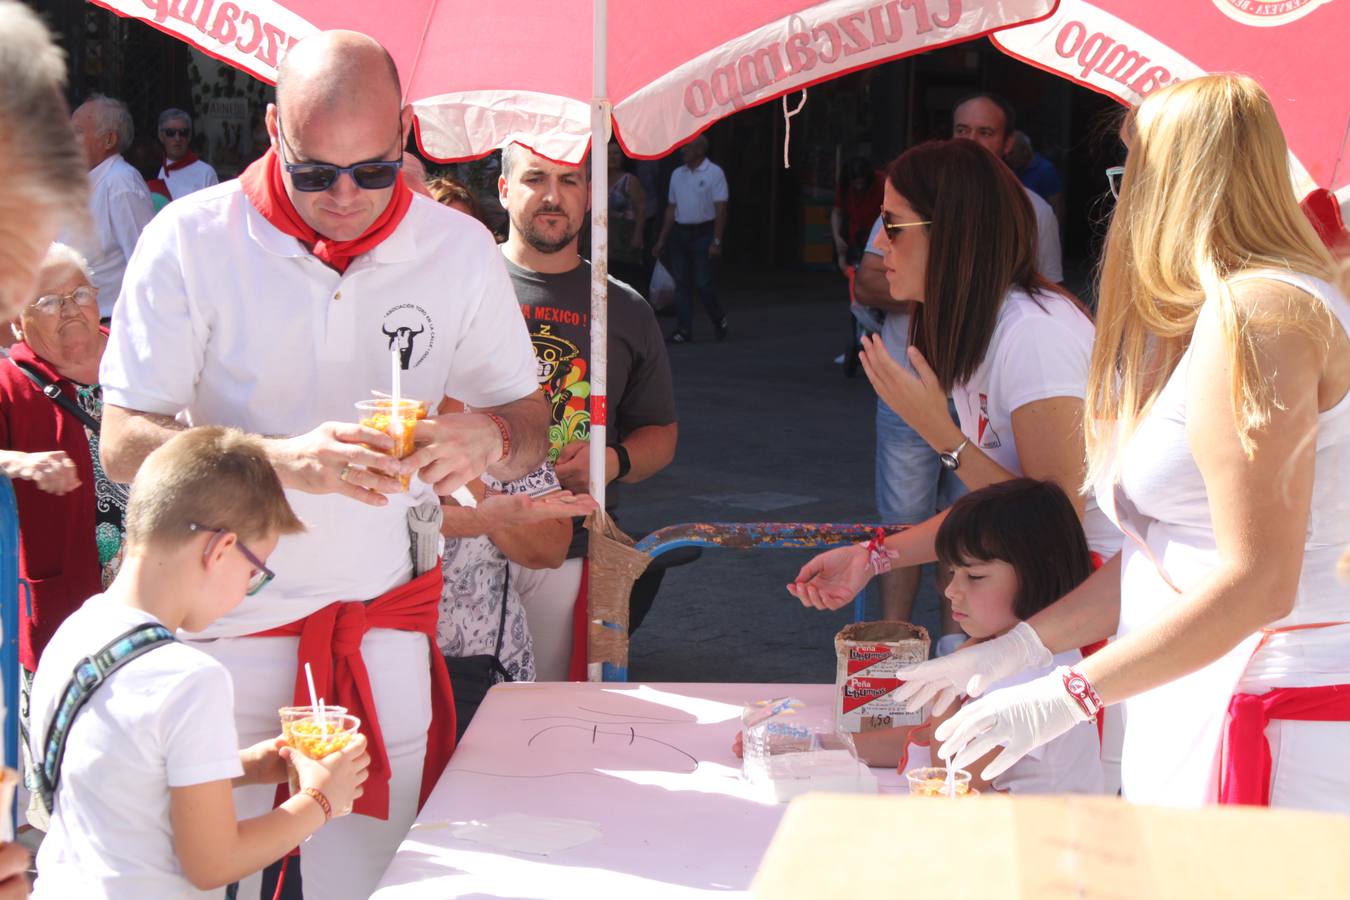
(1206, 196)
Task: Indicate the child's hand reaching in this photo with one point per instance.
(263, 763)
(338, 776)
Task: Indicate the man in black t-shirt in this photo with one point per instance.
(547, 204)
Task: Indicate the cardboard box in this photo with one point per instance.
(869, 654)
(1051, 848)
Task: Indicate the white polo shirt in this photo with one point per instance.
(228, 321)
(694, 191)
(1049, 259)
(188, 179)
(119, 208)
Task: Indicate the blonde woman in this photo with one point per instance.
(1219, 440)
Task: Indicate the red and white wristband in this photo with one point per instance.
(878, 557)
(1081, 690)
(505, 431)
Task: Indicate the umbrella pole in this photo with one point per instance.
(600, 117)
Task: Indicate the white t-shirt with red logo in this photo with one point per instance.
(1040, 349)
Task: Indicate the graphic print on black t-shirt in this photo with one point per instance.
(563, 373)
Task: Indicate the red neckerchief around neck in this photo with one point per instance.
(265, 189)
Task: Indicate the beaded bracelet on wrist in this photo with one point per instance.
(317, 796)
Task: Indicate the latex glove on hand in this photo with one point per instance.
(1019, 719)
(971, 670)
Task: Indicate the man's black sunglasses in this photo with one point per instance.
(176, 132)
(314, 177)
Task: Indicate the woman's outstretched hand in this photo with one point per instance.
(918, 399)
(833, 578)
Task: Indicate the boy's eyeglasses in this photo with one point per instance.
(84, 295)
(893, 229)
(261, 574)
(314, 177)
(176, 132)
(1114, 175)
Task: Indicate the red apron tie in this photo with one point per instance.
(1245, 777)
(330, 641)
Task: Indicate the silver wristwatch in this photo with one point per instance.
(952, 461)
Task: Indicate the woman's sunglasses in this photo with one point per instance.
(894, 229)
(1113, 179)
(313, 177)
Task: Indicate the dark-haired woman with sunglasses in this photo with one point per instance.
(989, 332)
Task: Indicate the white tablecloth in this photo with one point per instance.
(644, 773)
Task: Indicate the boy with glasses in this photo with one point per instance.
(142, 799)
(183, 171)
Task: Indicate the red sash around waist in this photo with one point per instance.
(1245, 777)
(330, 641)
(1245, 773)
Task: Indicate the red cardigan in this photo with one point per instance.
(58, 555)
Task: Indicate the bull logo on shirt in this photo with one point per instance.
(403, 337)
(408, 329)
(986, 437)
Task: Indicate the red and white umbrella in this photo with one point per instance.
(1296, 49)
(558, 75)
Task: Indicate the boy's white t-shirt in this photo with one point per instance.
(165, 719)
(1069, 764)
(1040, 350)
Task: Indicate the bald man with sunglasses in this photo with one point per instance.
(273, 303)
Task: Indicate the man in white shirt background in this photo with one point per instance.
(119, 205)
(695, 220)
(989, 120)
(183, 171)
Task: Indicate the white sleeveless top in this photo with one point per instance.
(1173, 733)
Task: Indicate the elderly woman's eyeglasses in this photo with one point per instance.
(85, 295)
(260, 576)
(1113, 179)
(893, 229)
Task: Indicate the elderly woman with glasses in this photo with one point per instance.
(70, 514)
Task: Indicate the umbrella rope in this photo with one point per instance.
(787, 127)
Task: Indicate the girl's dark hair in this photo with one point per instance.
(1030, 525)
(982, 243)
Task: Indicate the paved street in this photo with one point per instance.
(770, 430)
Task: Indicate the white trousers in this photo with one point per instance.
(345, 859)
(548, 596)
(1308, 765)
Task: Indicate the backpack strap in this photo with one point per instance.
(53, 392)
(89, 673)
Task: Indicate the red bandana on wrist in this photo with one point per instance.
(265, 189)
(188, 159)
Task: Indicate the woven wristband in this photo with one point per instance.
(505, 432)
(317, 796)
(878, 557)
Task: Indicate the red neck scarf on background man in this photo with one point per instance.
(265, 189)
(173, 166)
